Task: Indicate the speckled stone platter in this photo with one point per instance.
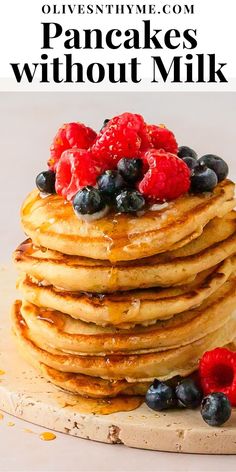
(23, 393)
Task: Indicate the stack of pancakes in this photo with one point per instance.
(109, 305)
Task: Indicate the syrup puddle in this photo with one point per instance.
(46, 436)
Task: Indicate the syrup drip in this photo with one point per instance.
(102, 406)
(115, 311)
(26, 210)
(10, 423)
(117, 231)
(26, 247)
(106, 407)
(2, 372)
(38, 203)
(52, 318)
(44, 227)
(1, 416)
(47, 436)
(21, 320)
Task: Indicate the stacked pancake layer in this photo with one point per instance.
(111, 304)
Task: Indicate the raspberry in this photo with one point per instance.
(217, 371)
(123, 136)
(167, 178)
(162, 138)
(76, 169)
(70, 135)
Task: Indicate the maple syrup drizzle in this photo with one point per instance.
(52, 318)
(102, 406)
(37, 202)
(115, 230)
(47, 436)
(44, 227)
(115, 313)
(26, 247)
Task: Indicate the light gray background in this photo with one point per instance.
(27, 124)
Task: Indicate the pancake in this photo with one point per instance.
(90, 395)
(73, 273)
(51, 222)
(142, 367)
(92, 387)
(63, 333)
(124, 309)
(85, 385)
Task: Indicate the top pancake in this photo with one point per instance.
(52, 223)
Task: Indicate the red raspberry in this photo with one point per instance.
(75, 169)
(123, 136)
(217, 372)
(70, 135)
(168, 176)
(162, 138)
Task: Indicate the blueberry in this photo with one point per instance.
(217, 164)
(203, 179)
(129, 201)
(111, 182)
(188, 393)
(185, 151)
(160, 396)
(190, 161)
(88, 200)
(105, 123)
(130, 169)
(215, 409)
(45, 181)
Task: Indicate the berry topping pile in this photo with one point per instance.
(127, 166)
(216, 380)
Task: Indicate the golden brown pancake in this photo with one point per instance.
(63, 333)
(125, 309)
(136, 367)
(51, 222)
(85, 385)
(94, 387)
(73, 273)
